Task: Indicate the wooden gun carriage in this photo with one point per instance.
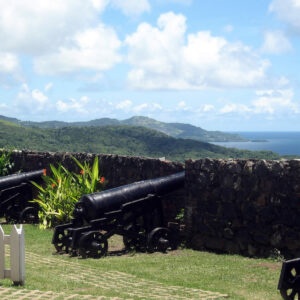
(133, 211)
(15, 194)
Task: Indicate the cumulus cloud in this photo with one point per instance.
(132, 7)
(48, 86)
(9, 63)
(9, 68)
(35, 27)
(124, 105)
(149, 107)
(57, 36)
(274, 101)
(31, 100)
(267, 102)
(287, 11)
(163, 57)
(276, 42)
(73, 105)
(93, 49)
(184, 2)
(182, 106)
(234, 108)
(228, 28)
(208, 107)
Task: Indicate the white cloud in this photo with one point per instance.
(276, 42)
(93, 49)
(272, 102)
(73, 105)
(208, 107)
(9, 63)
(163, 57)
(228, 28)
(31, 100)
(234, 108)
(124, 105)
(149, 107)
(10, 69)
(287, 11)
(132, 7)
(275, 101)
(184, 2)
(36, 27)
(48, 86)
(182, 106)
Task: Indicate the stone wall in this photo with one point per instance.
(117, 170)
(251, 207)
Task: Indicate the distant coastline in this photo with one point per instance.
(283, 143)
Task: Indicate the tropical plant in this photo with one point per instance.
(60, 192)
(6, 164)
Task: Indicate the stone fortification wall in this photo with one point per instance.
(117, 170)
(251, 207)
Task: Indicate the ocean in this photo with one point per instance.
(284, 143)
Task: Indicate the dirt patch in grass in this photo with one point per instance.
(274, 266)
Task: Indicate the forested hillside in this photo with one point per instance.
(123, 140)
(177, 130)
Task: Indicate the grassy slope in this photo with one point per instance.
(239, 277)
(122, 140)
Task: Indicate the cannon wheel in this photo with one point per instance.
(12, 213)
(161, 239)
(29, 215)
(92, 244)
(290, 294)
(134, 244)
(62, 244)
(289, 281)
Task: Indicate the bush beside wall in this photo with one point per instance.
(117, 170)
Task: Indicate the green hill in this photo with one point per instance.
(122, 140)
(177, 130)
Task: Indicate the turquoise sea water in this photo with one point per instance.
(284, 143)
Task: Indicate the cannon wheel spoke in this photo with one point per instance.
(62, 244)
(92, 244)
(12, 214)
(29, 215)
(160, 239)
(136, 243)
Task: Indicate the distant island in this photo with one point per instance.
(259, 141)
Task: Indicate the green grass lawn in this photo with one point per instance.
(179, 273)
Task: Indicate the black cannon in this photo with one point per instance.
(15, 194)
(133, 211)
(289, 281)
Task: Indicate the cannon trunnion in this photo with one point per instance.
(15, 194)
(133, 211)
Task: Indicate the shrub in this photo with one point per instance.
(5, 163)
(57, 197)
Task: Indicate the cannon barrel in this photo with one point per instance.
(93, 206)
(17, 179)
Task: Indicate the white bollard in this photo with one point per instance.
(17, 255)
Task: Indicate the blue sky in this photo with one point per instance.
(222, 65)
